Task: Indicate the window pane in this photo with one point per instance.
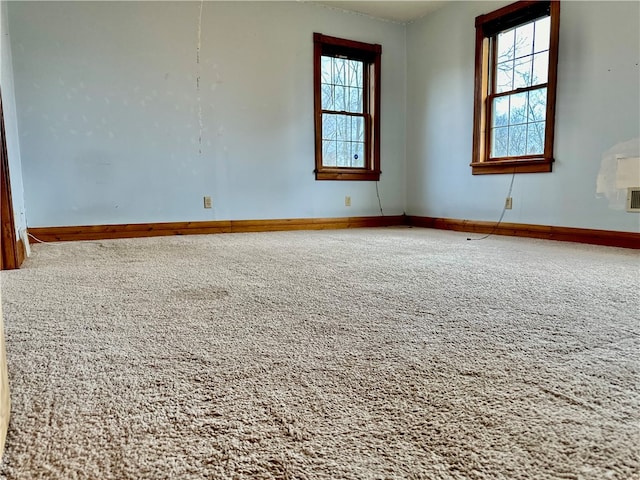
(357, 129)
(349, 73)
(325, 68)
(522, 72)
(501, 112)
(524, 40)
(338, 71)
(355, 100)
(504, 77)
(535, 138)
(329, 153)
(542, 27)
(540, 68)
(499, 142)
(344, 152)
(327, 97)
(537, 105)
(505, 46)
(360, 74)
(329, 127)
(357, 154)
(354, 71)
(518, 108)
(340, 100)
(343, 127)
(517, 140)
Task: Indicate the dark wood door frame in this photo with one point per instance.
(9, 258)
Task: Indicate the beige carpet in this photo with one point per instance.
(352, 354)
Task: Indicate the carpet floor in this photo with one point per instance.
(392, 353)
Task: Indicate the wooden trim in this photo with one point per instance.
(21, 252)
(481, 80)
(103, 232)
(8, 254)
(566, 234)
(515, 91)
(552, 78)
(331, 174)
(510, 16)
(375, 89)
(321, 39)
(512, 166)
(317, 100)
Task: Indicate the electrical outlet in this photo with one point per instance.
(347, 201)
(508, 203)
(207, 202)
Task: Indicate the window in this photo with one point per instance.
(347, 109)
(515, 88)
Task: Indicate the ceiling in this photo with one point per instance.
(396, 11)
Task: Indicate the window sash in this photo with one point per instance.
(490, 121)
(365, 114)
(493, 88)
(366, 154)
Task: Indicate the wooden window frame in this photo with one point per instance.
(487, 28)
(369, 54)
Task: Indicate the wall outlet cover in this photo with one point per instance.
(508, 203)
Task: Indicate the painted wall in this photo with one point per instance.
(597, 117)
(110, 115)
(10, 121)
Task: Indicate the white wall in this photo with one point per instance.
(109, 117)
(10, 123)
(597, 115)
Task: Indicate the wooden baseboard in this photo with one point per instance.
(566, 234)
(104, 232)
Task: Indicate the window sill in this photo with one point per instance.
(347, 174)
(530, 165)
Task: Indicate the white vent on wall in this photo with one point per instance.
(633, 199)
